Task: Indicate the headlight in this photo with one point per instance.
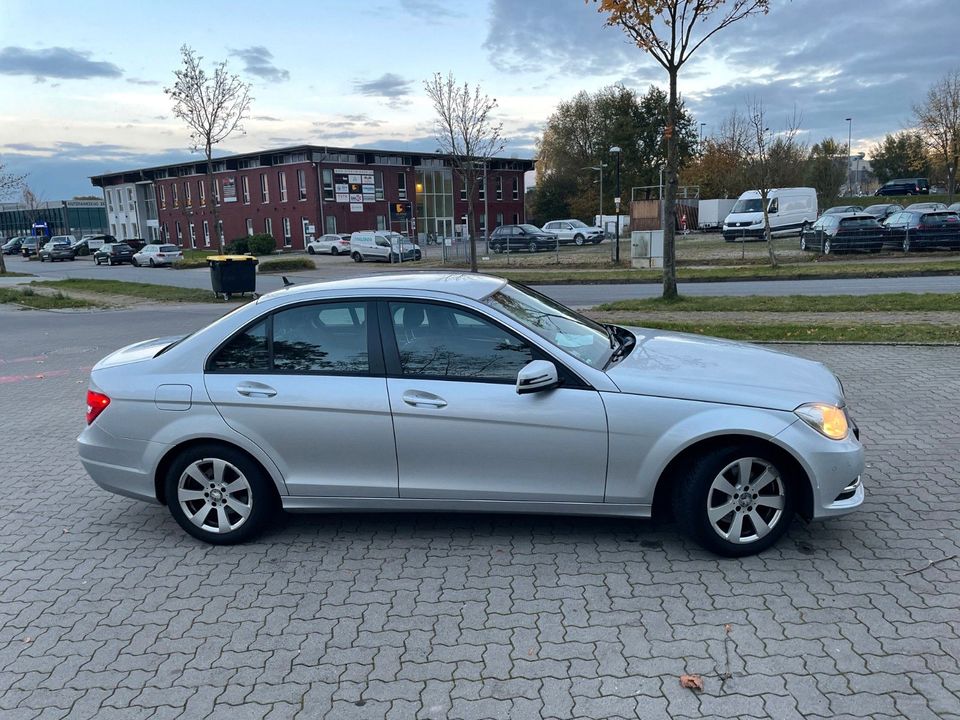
(828, 420)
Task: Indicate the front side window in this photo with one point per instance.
(325, 338)
(439, 341)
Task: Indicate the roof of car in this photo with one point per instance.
(468, 285)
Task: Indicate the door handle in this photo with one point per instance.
(423, 399)
(255, 389)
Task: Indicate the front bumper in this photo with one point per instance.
(752, 233)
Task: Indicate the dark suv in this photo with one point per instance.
(521, 237)
(908, 230)
(905, 186)
(114, 254)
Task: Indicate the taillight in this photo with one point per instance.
(96, 403)
(159, 254)
(920, 227)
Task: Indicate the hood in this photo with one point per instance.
(693, 367)
(137, 352)
(750, 217)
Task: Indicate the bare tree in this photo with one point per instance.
(774, 160)
(468, 133)
(938, 119)
(671, 31)
(213, 105)
(9, 184)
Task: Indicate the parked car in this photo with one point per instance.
(920, 206)
(574, 231)
(91, 243)
(790, 210)
(837, 209)
(330, 243)
(881, 211)
(113, 254)
(59, 247)
(842, 232)
(12, 246)
(383, 245)
(912, 230)
(30, 245)
(155, 255)
(521, 237)
(469, 393)
(904, 186)
(954, 207)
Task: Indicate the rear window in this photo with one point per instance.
(168, 248)
(858, 222)
(940, 218)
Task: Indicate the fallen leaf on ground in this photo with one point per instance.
(692, 682)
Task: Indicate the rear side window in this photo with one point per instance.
(246, 352)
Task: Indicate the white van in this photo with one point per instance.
(791, 210)
(382, 245)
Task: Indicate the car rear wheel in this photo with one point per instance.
(532, 247)
(310, 250)
(497, 248)
(578, 239)
(334, 251)
(152, 263)
(219, 495)
(357, 257)
(735, 501)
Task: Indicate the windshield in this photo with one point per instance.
(583, 338)
(748, 205)
(578, 223)
(531, 228)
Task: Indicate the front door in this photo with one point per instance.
(306, 385)
(462, 430)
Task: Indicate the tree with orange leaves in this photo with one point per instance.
(671, 31)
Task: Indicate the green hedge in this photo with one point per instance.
(262, 244)
(286, 264)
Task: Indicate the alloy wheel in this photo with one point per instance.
(746, 500)
(214, 495)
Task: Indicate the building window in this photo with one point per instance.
(264, 188)
(113, 229)
(516, 188)
(463, 189)
(193, 236)
(378, 184)
(245, 185)
(206, 233)
(187, 194)
(328, 184)
(130, 196)
(216, 191)
(482, 185)
(516, 218)
(282, 181)
(302, 184)
(202, 193)
(268, 226)
(163, 198)
(499, 219)
(176, 195)
(133, 230)
(331, 224)
(402, 186)
(483, 222)
(249, 227)
(287, 235)
(179, 233)
(381, 222)
(499, 187)
(164, 233)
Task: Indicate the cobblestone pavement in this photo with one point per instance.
(110, 611)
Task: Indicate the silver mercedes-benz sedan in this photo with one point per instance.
(458, 392)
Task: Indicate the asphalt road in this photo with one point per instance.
(330, 268)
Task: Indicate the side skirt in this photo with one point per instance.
(294, 503)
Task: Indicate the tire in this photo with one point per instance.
(357, 257)
(96, 261)
(497, 249)
(702, 489)
(152, 263)
(223, 467)
(578, 239)
(72, 259)
(532, 247)
(334, 251)
(310, 250)
(135, 263)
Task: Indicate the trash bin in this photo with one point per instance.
(233, 274)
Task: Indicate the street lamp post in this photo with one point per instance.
(599, 167)
(849, 135)
(616, 202)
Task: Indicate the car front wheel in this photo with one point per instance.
(578, 239)
(310, 250)
(532, 247)
(219, 495)
(735, 501)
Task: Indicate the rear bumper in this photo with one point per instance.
(119, 465)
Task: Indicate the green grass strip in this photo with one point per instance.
(147, 291)
(869, 333)
(29, 298)
(893, 302)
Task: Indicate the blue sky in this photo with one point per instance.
(84, 95)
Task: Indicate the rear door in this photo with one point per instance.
(306, 385)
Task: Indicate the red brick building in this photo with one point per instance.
(298, 192)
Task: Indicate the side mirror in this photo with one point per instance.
(536, 376)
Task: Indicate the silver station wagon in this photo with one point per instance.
(457, 392)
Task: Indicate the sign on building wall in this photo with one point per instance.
(229, 189)
(400, 211)
(355, 187)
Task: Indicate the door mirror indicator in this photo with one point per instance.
(536, 376)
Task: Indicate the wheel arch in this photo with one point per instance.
(682, 460)
(171, 455)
